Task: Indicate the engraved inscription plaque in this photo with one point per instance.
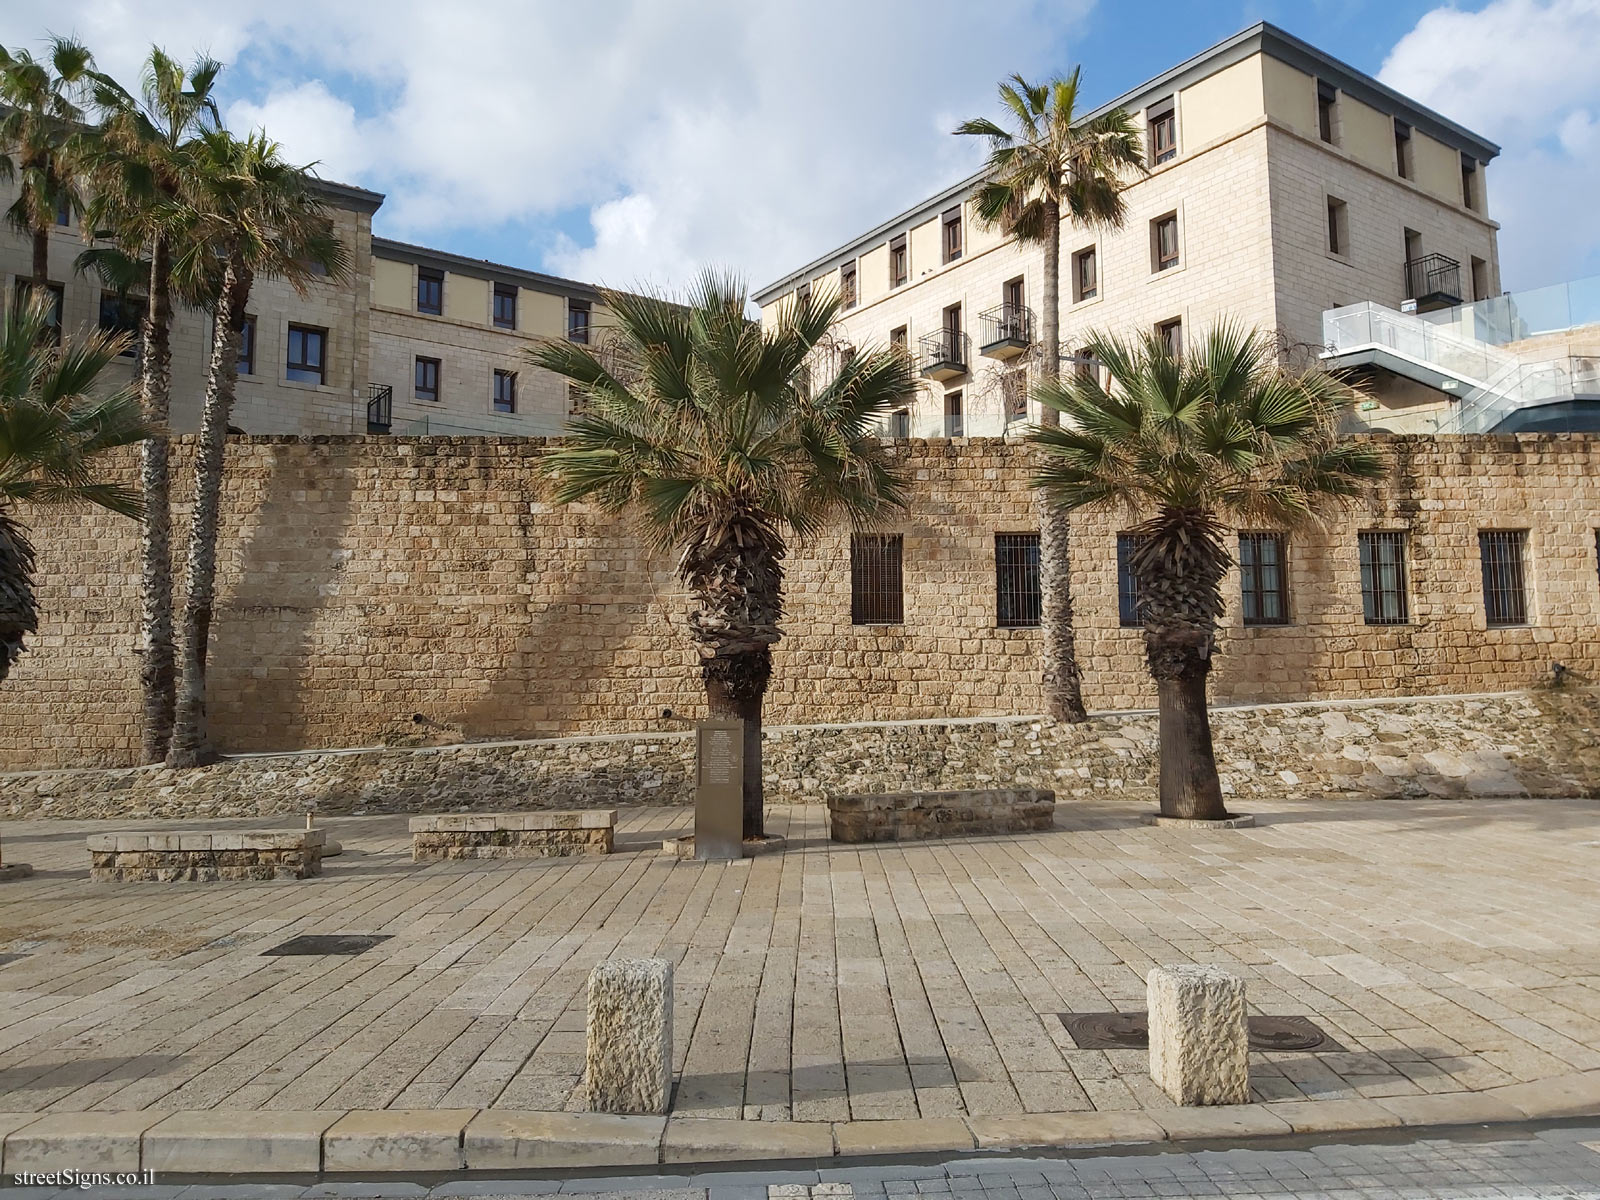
(719, 789)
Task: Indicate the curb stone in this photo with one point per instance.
(423, 1140)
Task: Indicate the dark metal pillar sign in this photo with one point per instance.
(719, 789)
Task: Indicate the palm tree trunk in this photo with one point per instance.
(190, 741)
(1062, 680)
(1190, 787)
(735, 687)
(157, 672)
(41, 262)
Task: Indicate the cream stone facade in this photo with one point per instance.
(1276, 223)
(374, 330)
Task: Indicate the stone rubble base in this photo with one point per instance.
(416, 1141)
(166, 857)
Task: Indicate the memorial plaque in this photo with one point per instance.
(719, 789)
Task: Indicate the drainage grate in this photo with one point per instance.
(329, 943)
(1130, 1031)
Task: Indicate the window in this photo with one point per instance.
(952, 414)
(899, 340)
(1014, 394)
(1402, 149)
(578, 321)
(1016, 580)
(57, 296)
(1383, 578)
(1086, 366)
(950, 223)
(1171, 335)
(505, 391)
(847, 284)
(876, 590)
(899, 261)
(427, 381)
(1164, 242)
(1085, 275)
(247, 347)
(1469, 181)
(430, 291)
(307, 354)
(1129, 615)
(1502, 553)
(900, 423)
(1263, 582)
(1327, 112)
(1480, 279)
(1338, 227)
(1163, 122)
(505, 305)
(576, 402)
(951, 322)
(1013, 296)
(120, 314)
(63, 211)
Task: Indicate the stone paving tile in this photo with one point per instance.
(1450, 946)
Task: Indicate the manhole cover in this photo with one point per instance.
(1131, 1031)
(10, 958)
(329, 943)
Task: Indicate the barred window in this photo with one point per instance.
(1503, 553)
(1128, 603)
(1383, 578)
(1263, 580)
(1016, 580)
(877, 595)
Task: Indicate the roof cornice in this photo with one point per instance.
(482, 268)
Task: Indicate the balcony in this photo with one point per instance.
(1007, 332)
(943, 354)
(380, 407)
(1433, 281)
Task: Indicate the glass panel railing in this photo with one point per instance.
(1519, 315)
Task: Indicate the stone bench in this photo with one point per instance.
(512, 835)
(910, 816)
(241, 854)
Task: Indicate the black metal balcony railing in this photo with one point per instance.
(1434, 278)
(944, 354)
(380, 407)
(1006, 324)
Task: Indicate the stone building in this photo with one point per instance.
(414, 341)
(1282, 183)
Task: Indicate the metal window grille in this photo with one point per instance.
(1502, 553)
(1263, 579)
(1128, 604)
(877, 594)
(1383, 578)
(1018, 601)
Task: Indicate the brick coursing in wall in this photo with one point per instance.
(382, 590)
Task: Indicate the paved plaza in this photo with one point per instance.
(1447, 946)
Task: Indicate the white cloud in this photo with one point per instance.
(753, 136)
(1521, 72)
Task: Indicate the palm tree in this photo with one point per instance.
(53, 434)
(1223, 436)
(709, 433)
(145, 155)
(256, 217)
(1052, 165)
(41, 124)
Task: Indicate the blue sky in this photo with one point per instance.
(631, 143)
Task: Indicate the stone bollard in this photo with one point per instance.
(629, 1056)
(1199, 1038)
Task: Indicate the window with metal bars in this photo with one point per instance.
(1503, 554)
(1016, 580)
(1383, 578)
(877, 595)
(1263, 578)
(1129, 615)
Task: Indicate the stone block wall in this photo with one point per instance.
(183, 857)
(410, 591)
(1544, 743)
